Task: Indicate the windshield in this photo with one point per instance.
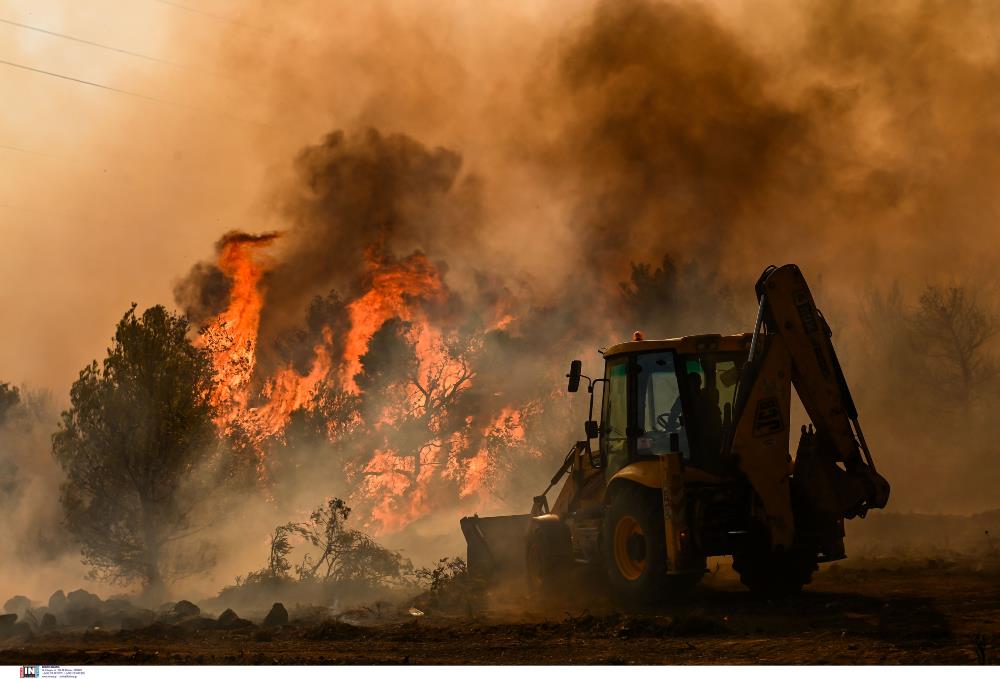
(659, 410)
(688, 395)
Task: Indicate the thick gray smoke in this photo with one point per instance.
(41, 556)
(673, 137)
(865, 134)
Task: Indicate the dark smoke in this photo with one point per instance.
(203, 293)
(673, 134)
(365, 195)
(241, 237)
(295, 345)
(861, 145)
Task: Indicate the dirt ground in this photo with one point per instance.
(926, 613)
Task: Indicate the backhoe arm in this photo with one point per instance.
(789, 311)
(833, 475)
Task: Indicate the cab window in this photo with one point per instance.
(659, 407)
(615, 415)
(712, 390)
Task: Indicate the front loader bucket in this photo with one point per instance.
(497, 545)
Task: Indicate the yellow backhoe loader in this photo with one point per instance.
(692, 460)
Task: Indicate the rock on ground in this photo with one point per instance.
(277, 616)
(194, 623)
(57, 601)
(48, 623)
(7, 623)
(81, 598)
(229, 620)
(185, 609)
(18, 605)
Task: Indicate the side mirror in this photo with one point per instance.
(674, 443)
(574, 376)
(590, 426)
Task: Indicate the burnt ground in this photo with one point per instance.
(923, 613)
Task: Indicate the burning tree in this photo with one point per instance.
(412, 383)
(138, 427)
(381, 392)
(379, 389)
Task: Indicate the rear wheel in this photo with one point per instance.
(635, 551)
(775, 574)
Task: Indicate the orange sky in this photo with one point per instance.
(117, 194)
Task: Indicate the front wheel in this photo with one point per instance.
(635, 551)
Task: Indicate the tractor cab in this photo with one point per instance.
(666, 396)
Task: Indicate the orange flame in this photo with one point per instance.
(506, 428)
(288, 390)
(390, 291)
(232, 336)
(395, 486)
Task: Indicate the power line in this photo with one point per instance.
(20, 150)
(217, 17)
(91, 43)
(127, 92)
(88, 82)
(112, 48)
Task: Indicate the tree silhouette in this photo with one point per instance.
(952, 327)
(138, 426)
